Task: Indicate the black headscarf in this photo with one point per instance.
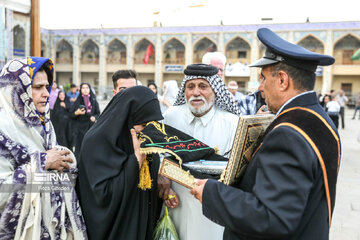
(82, 123)
(80, 100)
(113, 206)
(60, 120)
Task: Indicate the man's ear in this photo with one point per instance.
(114, 92)
(284, 81)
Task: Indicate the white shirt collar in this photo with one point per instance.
(205, 119)
(288, 101)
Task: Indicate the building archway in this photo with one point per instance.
(201, 47)
(116, 52)
(313, 44)
(238, 50)
(89, 52)
(141, 49)
(64, 52)
(344, 48)
(43, 49)
(19, 38)
(174, 52)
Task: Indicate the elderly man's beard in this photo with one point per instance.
(204, 108)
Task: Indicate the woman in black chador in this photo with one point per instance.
(113, 204)
(60, 120)
(84, 111)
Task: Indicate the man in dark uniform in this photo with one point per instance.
(288, 189)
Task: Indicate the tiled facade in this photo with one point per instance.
(15, 29)
(92, 55)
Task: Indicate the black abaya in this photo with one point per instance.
(113, 205)
(82, 123)
(60, 120)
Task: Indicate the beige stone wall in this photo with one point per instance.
(91, 78)
(318, 84)
(145, 77)
(63, 78)
(339, 79)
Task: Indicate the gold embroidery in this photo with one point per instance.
(158, 126)
(168, 139)
(142, 137)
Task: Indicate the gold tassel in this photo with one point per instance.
(144, 176)
(216, 149)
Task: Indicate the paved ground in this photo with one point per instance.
(346, 217)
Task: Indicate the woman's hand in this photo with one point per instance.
(136, 144)
(80, 111)
(92, 118)
(57, 160)
(62, 104)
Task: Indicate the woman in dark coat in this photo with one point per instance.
(113, 205)
(61, 119)
(84, 111)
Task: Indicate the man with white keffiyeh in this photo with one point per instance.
(205, 110)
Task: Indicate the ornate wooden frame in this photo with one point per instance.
(248, 133)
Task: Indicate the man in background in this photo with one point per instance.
(123, 79)
(216, 59)
(205, 110)
(253, 103)
(72, 94)
(342, 100)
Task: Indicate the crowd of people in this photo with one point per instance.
(287, 191)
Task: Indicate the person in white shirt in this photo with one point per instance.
(205, 110)
(342, 100)
(332, 108)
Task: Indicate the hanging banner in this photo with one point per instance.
(174, 68)
(237, 70)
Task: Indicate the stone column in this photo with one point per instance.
(102, 66)
(76, 61)
(53, 44)
(221, 43)
(3, 45)
(253, 84)
(189, 49)
(10, 38)
(27, 28)
(291, 37)
(129, 53)
(327, 71)
(158, 61)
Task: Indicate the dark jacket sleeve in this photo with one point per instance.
(286, 167)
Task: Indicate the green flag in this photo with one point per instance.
(356, 55)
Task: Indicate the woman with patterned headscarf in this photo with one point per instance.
(30, 205)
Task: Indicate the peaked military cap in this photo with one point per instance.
(279, 50)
